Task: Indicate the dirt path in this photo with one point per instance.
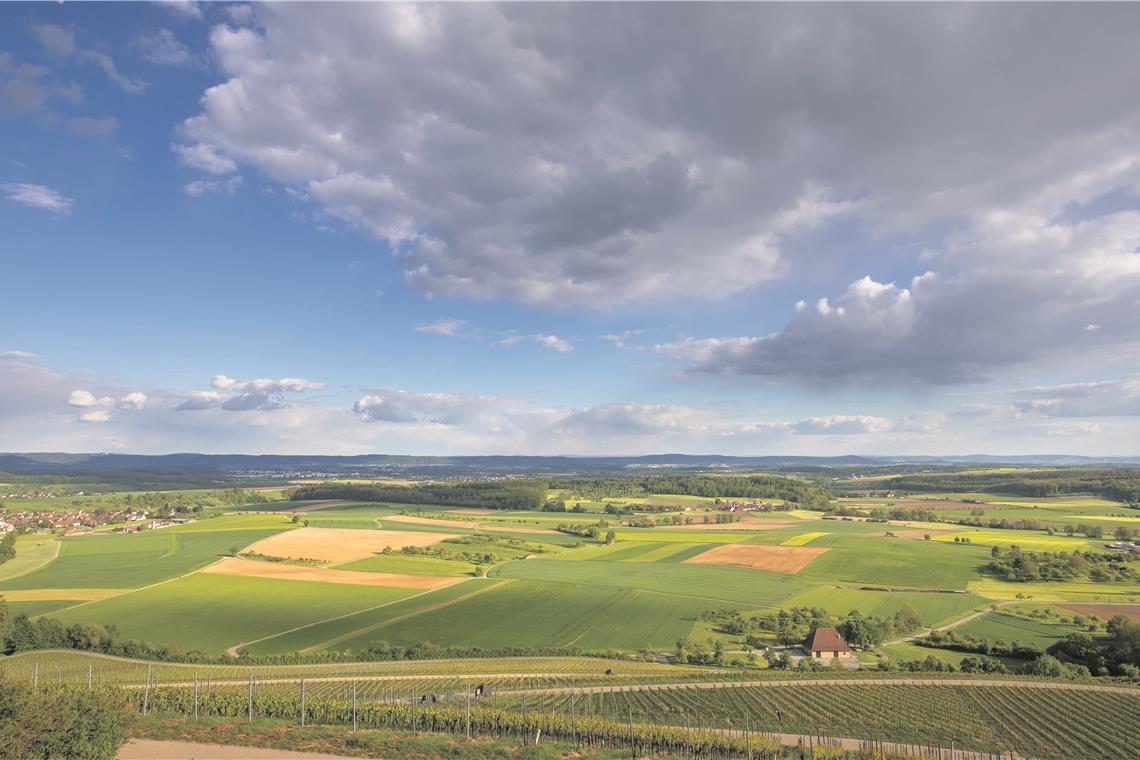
(953, 624)
(967, 682)
(153, 749)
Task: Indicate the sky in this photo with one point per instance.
(570, 229)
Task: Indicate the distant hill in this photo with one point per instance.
(454, 466)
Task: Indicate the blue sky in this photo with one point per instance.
(493, 229)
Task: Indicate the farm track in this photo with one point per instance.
(949, 626)
(1054, 685)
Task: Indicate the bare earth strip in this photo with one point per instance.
(744, 525)
(1106, 611)
(62, 594)
(339, 545)
(915, 533)
(152, 749)
(779, 559)
(516, 529)
(257, 569)
(472, 511)
(433, 521)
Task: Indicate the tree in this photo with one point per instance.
(907, 619)
(611, 536)
(65, 722)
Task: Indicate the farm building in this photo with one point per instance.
(826, 644)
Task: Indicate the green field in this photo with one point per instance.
(999, 626)
(213, 612)
(130, 560)
(32, 553)
(409, 564)
(896, 562)
(729, 585)
(933, 608)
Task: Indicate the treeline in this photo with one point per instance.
(709, 486)
(1121, 484)
(65, 722)
(977, 519)
(1017, 565)
(1118, 653)
(8, 547)
(1076, 655)
(508, 494)
(792, 626)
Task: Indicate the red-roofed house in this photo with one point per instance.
(826, 644)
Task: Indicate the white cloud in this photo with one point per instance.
(37, 196)
(1023, 289)
(95, 415)
(645, 163)
(554, 343)
(204, 157)
(17, 356)
(161, 46)
(551, 342)
(184, 8)
(263, 385)
(199, 187)
(82, 399)
(449, 327)
(60, 42)
(842, 425)
(200, 400)
(132, 401)
(1106, 398)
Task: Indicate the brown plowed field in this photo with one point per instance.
(1106, 611)
(777, 559)
(338, 545)
(248, 568)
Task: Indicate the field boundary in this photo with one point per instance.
(406, 616)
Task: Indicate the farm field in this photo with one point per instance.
(717, 585)
(1058, 591)
(933, 608)
(1050, 723)
(896, 562)
(412, 564)
(211, 612)
(32, 553)
(999, 626)
(130, 560)
(525, 613)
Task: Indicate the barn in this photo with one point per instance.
(826, 644)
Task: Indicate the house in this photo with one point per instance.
(826, 644)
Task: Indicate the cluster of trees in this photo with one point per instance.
(7, 547)
(64, 722)
(1018, 565)
(951, 640)
(500, 494)
(712, 486)
(792, 626)
(1121, 484)
(590, 531)
(976, 519)
(1117, 653)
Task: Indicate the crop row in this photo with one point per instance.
(1048, 723)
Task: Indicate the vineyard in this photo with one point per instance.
(1043, 723)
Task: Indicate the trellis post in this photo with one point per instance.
(354, 707)
(302, 701)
